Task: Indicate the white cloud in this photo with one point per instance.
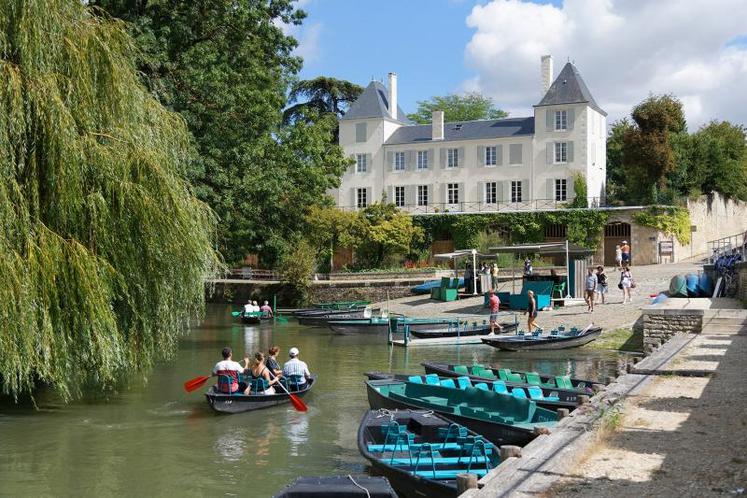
(308, 42)
(624, 49)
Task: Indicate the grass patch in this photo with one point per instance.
(621, 339)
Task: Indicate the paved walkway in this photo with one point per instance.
(650, 279)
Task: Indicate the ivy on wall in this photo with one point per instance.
(670, 220)
(584, 227)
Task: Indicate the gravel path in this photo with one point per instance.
(650, 279)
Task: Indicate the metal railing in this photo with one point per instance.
(733, 244)
(488, 207)
(247, 273)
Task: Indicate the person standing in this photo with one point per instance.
(528, 266)
(531, 311)
(626, 282)
(494, 276)
(601, 282)
(618, 258)
(591, 288)
(625, 250)
(495, 306)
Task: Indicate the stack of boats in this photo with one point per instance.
(424, 430)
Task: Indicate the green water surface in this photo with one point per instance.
(153, 439)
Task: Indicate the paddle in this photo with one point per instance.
(195, 383)
(295, 400)
(236, 313)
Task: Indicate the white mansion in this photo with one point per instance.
(472, 166)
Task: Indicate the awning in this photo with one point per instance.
(462, 253)
(543, 248)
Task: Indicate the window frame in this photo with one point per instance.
(361, 159)
(452, 193)
(491, 153)
(516, 191)
(397, 190)
(399, 166)
(422, 160)
(422, 195)
(491, 197)
(359, 197)
(561, 190)
(561, 120)
(452, 158)
(560, 153)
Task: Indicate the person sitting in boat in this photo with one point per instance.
(232, 369)
(248, 307)
(297, 368)
(272, 361)
(261, 377)
(266, 309)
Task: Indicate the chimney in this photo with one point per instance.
(393, 95)
(437, 125)
(546, 73)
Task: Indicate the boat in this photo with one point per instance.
(678, 286)
(237, 403)
(500, 418)
(341, 305)
(567, 388)
(421, 453)
(457, 329)
(253, 317)
(321, 319)
(705, 285)
(555, 340)
(691, 282)
(338, 486)
(545, 398)
(425, 288)
(373, 325)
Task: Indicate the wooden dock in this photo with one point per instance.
(440, 341)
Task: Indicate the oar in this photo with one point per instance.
(195, 383)
(295, 400)
(236, 313)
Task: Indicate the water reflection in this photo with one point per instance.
(297, 431)
(231, 446)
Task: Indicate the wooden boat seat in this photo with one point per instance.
(483, 386)
(422, 402)
(448, 474)
(417, 379)
(534, 379)
(436, 400)
(464, 382)
(461, 369)
(379, 448)
(487, 373)
(464, 460)
(500, 387)
(431, 379)
(507, 376)
(448, 383)
(535, 393)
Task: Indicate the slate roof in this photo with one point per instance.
(569, 88)
(465, 130)
(373, 103)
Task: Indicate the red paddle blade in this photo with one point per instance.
(195, 383)
(298, 404)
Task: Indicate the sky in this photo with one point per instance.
(624, 49)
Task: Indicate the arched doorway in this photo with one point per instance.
(614, 233)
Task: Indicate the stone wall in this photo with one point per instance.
(659, 325)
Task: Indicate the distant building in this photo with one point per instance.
(517, 163)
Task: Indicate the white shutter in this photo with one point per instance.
(570, 152)
(551, 189)
(353, 198)
(444, 199)
(570, 194)
(550, 152)
(369, 199)
(480, 155)
(369, 163)
(390, 194)
(431, 159)
(525, 194)
(410, 160)
(499, 155)
(481, 197)
(442, 157)
(505, 186)
(571, 118)
(461, 195)
(550, 119)
(390, 160)
(460, 156)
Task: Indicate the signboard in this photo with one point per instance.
(666, 247)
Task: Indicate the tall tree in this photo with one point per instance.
(615, 170)
(466, 107)
(226, 67)
(720, 159)
(104, 247)
(322, 95)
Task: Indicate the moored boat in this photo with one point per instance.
(458, 329)
(338, 486)
(421, 453)
(545, 398)
(321, 319)
(373, 325)
(567, 388)
(560, 340)
(237, 403)
(500, 418)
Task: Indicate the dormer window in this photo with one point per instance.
(561, 120)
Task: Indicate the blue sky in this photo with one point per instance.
(624, 49)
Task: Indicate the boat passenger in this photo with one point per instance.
(495, 305)
(259, 371)
(294, 366)
(266, 309)
(228, 367)
(531, 311)
(272, 361)
(248, 307)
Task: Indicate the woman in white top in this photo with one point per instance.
(626, 282)
(618, 257)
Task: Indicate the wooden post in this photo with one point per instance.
(562, 413)
(465, 482)
(508, 451)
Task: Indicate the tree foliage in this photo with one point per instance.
(321, 95)
(385, 230)
(719, 157)
(104, 247)
(226, 66)
(466, 107)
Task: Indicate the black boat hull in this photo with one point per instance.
(543, 344)
(339, 487)
(233, 403)
(358, 328)
(422, 332)
(323, 319)
(494, 432)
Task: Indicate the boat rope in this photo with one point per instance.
(383, 412)
(368, 495)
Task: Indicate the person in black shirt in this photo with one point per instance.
(601, 282)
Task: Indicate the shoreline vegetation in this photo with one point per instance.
(623, 339)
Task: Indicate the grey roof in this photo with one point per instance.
(569, 88)
(465, 130)
(373, 103)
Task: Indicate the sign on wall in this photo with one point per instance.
(666, 247)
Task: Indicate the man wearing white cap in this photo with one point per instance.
(294, 366)
(625, 249)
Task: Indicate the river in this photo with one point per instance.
(153, 439)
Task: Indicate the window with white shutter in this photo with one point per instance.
(561, 189)
(399, 196)
(516, 191)
(452, 193)
(361, 197)
(422, 195)
(360, 163)
(561, 152)
(491, 192)
(422, 159)
(399, 161)
(561, 120)
(452, 158)
(490, 155)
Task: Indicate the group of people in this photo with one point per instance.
(597, 285)
(494, 303)
(261, 366)
(253, 307)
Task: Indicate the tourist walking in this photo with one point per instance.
(618, 258)
(625, 249)
(591, 288)
(626, 283)
(495, 306)
(531, 311)
(601, 282)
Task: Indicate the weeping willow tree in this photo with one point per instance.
(103, 247)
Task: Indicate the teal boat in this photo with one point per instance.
(381, 325)
(501, 418)
(678, 286)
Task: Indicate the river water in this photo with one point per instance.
(153, 439)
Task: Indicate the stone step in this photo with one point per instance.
(725, 329)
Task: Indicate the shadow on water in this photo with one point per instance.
(151, 438)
